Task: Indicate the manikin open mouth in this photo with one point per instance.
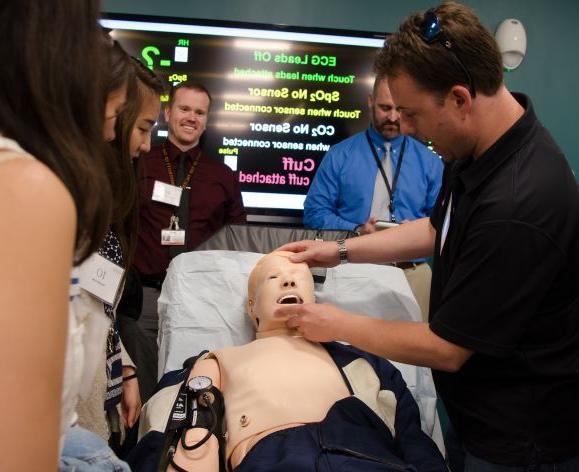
(289, 300)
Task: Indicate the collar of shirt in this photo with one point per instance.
(173, 151)
(378, 141)
(473, 172)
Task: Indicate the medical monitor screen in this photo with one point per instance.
(281, 96)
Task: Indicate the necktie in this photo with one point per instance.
(183, 210)
(381, 199)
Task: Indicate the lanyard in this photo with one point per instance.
(170, 168)
(396, 173)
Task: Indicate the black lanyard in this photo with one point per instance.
(396, 173)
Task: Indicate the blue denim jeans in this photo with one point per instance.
(474, 464)
(84, 451)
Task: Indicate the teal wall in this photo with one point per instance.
(549, 73)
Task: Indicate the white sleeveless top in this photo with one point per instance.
(86, 330)
(9, 149)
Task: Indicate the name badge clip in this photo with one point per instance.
(173, 236)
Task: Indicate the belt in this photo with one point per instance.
(406, 264)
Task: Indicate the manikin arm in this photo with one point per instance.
(414, 445)
(205, 457)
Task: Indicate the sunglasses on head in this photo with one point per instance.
(431, 32)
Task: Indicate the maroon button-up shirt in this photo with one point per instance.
(214, 200)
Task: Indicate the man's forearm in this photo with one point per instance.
(405, 242)
(408, 342)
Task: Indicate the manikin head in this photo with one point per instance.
(276, 281)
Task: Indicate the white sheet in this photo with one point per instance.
(201, 307)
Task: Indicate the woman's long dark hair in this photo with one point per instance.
(51, 100)
(125, 220)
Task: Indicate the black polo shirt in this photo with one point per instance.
(506, 285)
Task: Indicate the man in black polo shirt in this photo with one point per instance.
(503, 337)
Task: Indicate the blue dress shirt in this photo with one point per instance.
(340, 196)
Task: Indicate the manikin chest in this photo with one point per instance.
(276, 381)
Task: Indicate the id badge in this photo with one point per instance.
(166, 193)
(172, 237)
(101, 278)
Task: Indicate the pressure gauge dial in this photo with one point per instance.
(200, 384)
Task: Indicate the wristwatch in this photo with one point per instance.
(342, 251)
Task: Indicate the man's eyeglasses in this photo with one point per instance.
(432, 32)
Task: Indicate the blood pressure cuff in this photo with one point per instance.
(189, 412)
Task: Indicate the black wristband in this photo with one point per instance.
(129, 377)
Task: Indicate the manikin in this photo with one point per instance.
(291, 404)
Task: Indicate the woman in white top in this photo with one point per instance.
(54, 208)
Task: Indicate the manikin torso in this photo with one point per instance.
(274, 383)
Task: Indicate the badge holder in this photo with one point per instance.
(101, 278)
(173, 235)
(166, 193)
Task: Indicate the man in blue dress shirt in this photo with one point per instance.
(351, 192)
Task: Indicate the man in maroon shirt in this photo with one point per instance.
(210, 199)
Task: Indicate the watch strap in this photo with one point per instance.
(342, 251)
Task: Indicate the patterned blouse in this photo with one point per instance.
(112, 251)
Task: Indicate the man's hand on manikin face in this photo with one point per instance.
(318, 322)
